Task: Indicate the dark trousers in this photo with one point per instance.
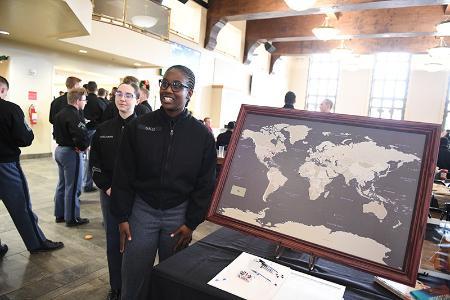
(112, 243)
(68, 190)
(15, 195)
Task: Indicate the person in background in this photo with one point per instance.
(326, 105)
(163, 182)
(443, 161)
(111, 110)
(207, 122)
(105, 144)
(223, 139)
(102, 97)
(15, 133)
(112, 94)
(72, 138)
(143, 99)
(61, 93)
(59, 103)
(289, 100)
(93, 113)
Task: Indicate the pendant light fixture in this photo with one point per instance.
(443, 28)
(300, 5)
(441, 51)
(342, 52)
(325, 32)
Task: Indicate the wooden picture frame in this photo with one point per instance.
(351, 189)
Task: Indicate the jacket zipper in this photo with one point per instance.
(169, 151)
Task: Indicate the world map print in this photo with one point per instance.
(348, 188)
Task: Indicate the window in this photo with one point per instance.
(323, 80)
(447, 109)
(389, 85)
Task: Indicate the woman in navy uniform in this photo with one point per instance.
(105, 144)
(163, 181)
(15, 133)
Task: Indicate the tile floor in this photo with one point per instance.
(79, 270)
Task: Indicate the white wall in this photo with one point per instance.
(33, 69)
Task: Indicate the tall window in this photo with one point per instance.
(323, 80)
(447, 109)
(389, 85)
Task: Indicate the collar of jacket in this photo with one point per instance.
(124, 122)
(183, 115)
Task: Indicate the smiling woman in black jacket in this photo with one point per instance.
(105, 144)
(163, 181)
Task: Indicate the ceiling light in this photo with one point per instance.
(325, 32)
(342, 52)
(4, 32)
(443, 28)
(300, 5)
(137, 64)
(433, 67)
(144, 21)
(82, 51)
(442, 51)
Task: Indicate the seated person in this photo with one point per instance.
(444, 155)
(223, 139)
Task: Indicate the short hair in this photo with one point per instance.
(71, 82)
(130, 79)
(75, 94)
(328, 102)
(101, 92)
(91, 86)
(206, 118)
(231, 125)
(135, 88)
(187, 72)
(4, 81)
(289, 98)
(144, 91)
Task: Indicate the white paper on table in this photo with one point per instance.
(264, 284)
(303, 286)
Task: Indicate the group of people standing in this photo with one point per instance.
(155, 172)
(289, 100)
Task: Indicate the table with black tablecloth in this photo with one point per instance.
(186, 274)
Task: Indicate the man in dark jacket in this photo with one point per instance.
(105, 144)
(93, 113)
(72, 138)
(223, 139)
(163, 181)
(289, 100)
(15, 133)
(59, 103)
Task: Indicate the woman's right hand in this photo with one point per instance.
(125, 234)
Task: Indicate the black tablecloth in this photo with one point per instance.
(186, 274)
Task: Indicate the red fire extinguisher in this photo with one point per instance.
(32, 114)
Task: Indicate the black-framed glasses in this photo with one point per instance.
(176, 85)
(127, 96)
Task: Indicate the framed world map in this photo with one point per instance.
(348, 188)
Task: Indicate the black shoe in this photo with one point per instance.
(89, 190)
(113, 295)
(59, 220)
(48, 246)
(3, 250)
(77, 222)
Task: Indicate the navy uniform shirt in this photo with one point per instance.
(93, 111)
(70, 130)
(14, 132)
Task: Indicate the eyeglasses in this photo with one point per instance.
(127, 96)
(176, 85)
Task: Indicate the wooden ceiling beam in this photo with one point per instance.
(361, 46)
(220, 12)
(370, 24)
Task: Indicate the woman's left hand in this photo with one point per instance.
(185, 237)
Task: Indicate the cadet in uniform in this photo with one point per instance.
(59, 103)
(15, 133)
(163, 181)
(105, 144)
(71, 136)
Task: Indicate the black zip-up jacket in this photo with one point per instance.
(93, 111)
(14, 132)
(105, 144)
(69, 129)
(166, 162)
